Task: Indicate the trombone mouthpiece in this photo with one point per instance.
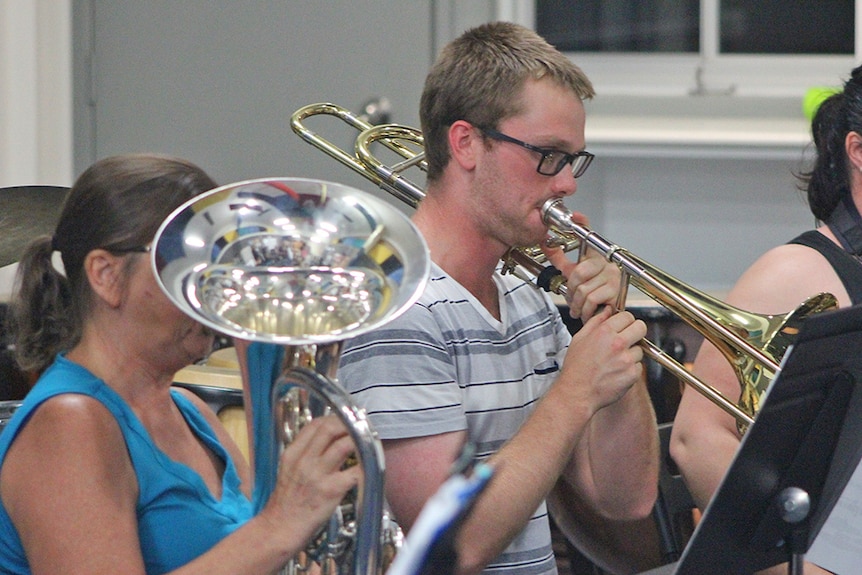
(555, 214)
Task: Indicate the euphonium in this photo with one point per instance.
(754, 344)
(290, 268)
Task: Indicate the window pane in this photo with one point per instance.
(620, 25)
(782, 27)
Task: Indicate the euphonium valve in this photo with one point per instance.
(290, 268)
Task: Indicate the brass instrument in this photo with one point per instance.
(290, 268)
(753, 343)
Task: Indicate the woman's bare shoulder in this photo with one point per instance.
(785, 276)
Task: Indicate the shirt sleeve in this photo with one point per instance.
(403, 375)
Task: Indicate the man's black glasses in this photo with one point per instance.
(552, 161)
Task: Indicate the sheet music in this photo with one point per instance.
(838, 546)
(442, 512)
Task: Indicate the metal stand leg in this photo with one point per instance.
(795, 505)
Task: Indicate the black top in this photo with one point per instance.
(848, 268)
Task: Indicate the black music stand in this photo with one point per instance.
(794, 461)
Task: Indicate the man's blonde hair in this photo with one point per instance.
(479, 77)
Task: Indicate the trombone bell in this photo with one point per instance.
(754, 344)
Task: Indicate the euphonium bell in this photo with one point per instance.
(289, 269)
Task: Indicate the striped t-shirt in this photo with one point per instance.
(448, 365)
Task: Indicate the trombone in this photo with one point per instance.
(754, 344)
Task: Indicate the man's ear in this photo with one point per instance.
(104, 271)
(463, 139)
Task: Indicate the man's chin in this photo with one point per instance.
(534, 240)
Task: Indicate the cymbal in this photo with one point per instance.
(25, 213)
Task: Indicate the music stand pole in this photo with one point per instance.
(793, 463)
(794, 505)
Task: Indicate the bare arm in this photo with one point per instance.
(310, 484)
(615, 463)
(524, 476)
(86, 485)
(79, 515)
(600, 386)
(776, 284)
(705, 438)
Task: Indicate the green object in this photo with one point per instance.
(814, 97)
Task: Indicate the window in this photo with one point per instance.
(620, 25)
(801, 27)
(679, 47)
(745, 26)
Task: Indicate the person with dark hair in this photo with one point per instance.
(825, 259)
(107, 468)
(484, 359)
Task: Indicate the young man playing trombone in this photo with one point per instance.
(485, 358)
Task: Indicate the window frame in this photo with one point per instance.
(707, 72)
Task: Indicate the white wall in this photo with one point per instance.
(703, 218)
(35, 99)
(35, 92)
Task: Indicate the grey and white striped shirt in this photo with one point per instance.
(448, 365)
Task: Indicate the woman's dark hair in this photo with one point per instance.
(829, 178)
(117, 204)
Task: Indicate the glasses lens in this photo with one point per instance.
(580, 164)
(551, 163)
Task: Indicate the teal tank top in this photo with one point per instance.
(178, 518)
